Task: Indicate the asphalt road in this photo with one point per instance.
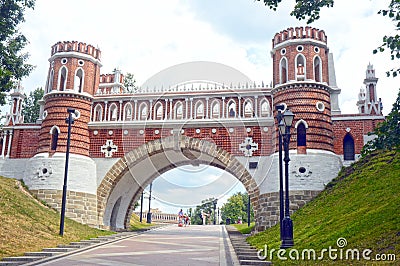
(170, 245)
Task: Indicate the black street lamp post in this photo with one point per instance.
(69, 120)
(248, 211)
(287, 224)
(215, 208)
(141, 208)
(149, 213)
(279, 118)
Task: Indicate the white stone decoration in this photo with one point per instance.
(302, 171)
(248, 146)
(265, 129)
(320, 106)
(95, 132)
(110, 132)
(44, 171)
(248, 130)
(231, 130)
(348, 129)
(198, 131)
(156, 131)
(182, 131)
(141, 132)
(214, 130)
(109, 148)
(126, 132)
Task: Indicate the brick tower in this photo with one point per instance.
(72, 81)
(304, 82)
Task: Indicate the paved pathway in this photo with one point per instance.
(171, 245)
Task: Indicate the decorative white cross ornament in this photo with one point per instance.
(248, 146)
(109, 148)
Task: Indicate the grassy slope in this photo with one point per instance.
(136, 224)
(243, 228)
(26, 226)
(362, 205)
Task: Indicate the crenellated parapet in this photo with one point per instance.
(299, 33)
(74, 46)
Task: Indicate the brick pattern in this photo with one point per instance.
(80, 207)
(91, 70)
(301, 99)
(268, 204)
(25, 143)
(223, 138)
(358, 128)
(56, 105)
(308, 51)
(226, 160)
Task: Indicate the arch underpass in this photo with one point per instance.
(126, 179)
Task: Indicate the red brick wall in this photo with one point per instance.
(301, 99)
(56, 106)
(291, 53)
(25, 143)
(358, 128)
(222, 138)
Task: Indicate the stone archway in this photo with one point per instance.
(133, 172)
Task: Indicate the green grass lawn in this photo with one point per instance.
(25, 225)
(244, 228)
(136, 224)
(361, 205)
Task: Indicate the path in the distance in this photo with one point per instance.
(170, 245)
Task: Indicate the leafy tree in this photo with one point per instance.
(387, 133)
(31, 106)
(130, 82)
(236, 207)
(310, 10)
(207, 206)
(12, 42)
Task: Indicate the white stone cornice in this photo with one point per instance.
(76, 55)
(356, 117)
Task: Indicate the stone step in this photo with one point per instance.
(246, 253)
(248, 257)
(23, 259)
(91, 241)
(11, 263)
(81, 243)
(41, 254)
(254, 262)
(57, 249)
(72, 246)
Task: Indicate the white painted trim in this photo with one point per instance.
(301, 121)
(243, 122)
(76, 55)
(299, 41)
(352, 118)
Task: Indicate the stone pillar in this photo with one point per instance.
(9, 143)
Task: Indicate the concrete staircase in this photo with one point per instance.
(246, 254)
(47, 254)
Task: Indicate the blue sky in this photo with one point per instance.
(144, 37)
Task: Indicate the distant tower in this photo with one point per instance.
(73, 78)
(17, 98)
(367, 99)
(304, 81)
